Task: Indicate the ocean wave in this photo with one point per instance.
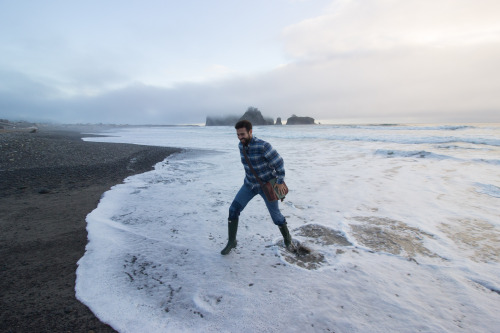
(419, 140)
(483, 160)
(491, 190)
(459, 147)
(396, 127)
(391, 153)
(411, 154)
(354, 135)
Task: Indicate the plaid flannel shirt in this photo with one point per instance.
(265, 160)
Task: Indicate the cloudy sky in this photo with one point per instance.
(175, 62)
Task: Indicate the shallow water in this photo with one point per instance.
(403, 224)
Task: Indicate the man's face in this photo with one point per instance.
(244, 136)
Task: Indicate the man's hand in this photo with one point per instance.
(280, 188)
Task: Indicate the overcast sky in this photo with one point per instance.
(175, 62)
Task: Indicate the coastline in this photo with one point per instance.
(49, 181)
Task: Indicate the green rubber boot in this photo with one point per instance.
(286, 234)
(232, 228)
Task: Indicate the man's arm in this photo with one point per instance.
(275, 162)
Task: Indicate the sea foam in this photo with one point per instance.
(401, 242)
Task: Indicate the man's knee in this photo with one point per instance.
(280, 222)
(234, 210)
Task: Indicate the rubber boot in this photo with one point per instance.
(232, 228)
(286, 234)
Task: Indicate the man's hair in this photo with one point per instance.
(244, 123)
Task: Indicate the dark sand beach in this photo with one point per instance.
(49, 182)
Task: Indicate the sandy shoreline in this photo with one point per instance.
(49, 182)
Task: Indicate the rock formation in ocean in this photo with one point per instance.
(252, 114)
(278, 121)
(256, 118)
(294, 120)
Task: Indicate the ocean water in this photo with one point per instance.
(403, 224)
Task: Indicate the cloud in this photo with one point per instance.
(381, 59)
(386, 58)
(452, 84)
(360, 27)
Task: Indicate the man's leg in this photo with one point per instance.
(245, 194)
(274, 210)
(278, 218)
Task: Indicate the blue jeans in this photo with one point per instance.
(245, 194)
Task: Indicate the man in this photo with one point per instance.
(268, 164)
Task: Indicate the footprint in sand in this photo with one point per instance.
(301, 255)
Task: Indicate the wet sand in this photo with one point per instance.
(49, 182)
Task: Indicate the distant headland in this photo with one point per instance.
(256, 118)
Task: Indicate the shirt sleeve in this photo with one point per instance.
(275, 162)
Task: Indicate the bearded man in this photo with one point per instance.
(268, 164)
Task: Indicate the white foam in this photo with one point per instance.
(153, 263)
